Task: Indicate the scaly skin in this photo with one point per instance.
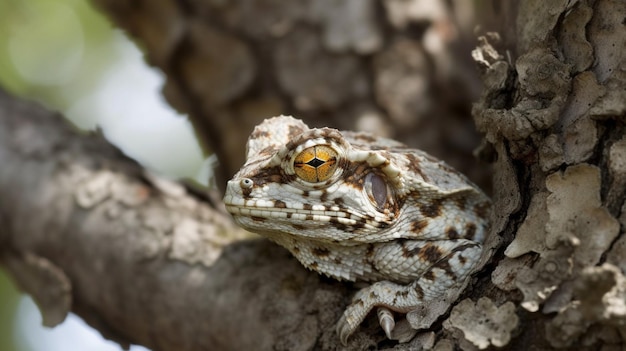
(357, 207)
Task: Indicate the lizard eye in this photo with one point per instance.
(376, 189)
(316, 163)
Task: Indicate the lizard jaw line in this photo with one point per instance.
(311, 216)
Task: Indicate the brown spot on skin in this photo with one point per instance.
(444, 265)
(259, 133)
(414, 194)
(419, 291)
(460, 202)
(297, 226)
(309, 217)
(373, 295)
(272, 175)
(410, 252)
(338, 201)
(403, 293)
(294, 131)
(305, 193)
(337, 260)
(406, 252)
(320, 252)
(482, 209)
(268, 150)
(295, 250)
(418, 226)
(280, 204)
(432, 209)
(368, 138)
(430, 253)
(289, 214)
(314, 265)
(331, 133)
(324, 196)
(307, 207)
(414, 165)
(358, 225)
(429, 274)
(360, 302)
(354, 174)
(246, 192)
(452, 233)
(470, 231)
(340, 226)
(369, 252)
(276, 178)
(258, 219)
(462, 260)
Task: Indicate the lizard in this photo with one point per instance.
(357, 207)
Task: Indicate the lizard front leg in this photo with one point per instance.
(437, 265)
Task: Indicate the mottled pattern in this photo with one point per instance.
(381, 213)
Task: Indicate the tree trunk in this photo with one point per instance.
(383, 66)
(146, 261)
(554, 111)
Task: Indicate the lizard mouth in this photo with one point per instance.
(311, 216)
(296, 214)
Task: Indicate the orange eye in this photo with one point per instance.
(316, 164)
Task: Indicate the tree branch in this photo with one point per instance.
(141, 259)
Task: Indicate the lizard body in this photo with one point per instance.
(358, 207)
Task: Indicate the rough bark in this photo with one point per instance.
(383, 66)
(83, 227)
(141, 259)
(554, 110)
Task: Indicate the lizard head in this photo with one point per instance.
(313, 183)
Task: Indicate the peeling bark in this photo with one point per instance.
(556, 113)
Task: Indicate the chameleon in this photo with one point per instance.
(361, 208)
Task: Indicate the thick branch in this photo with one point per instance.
(141, 259)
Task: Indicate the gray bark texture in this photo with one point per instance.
(149, 261)
(382, 66)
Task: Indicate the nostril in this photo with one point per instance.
(246, 183)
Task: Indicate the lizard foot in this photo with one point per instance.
(352, 317)
(355, 313)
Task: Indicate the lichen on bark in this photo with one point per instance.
(548, 114)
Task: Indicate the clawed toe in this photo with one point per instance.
(347, 325)
(386, 321)
(344, 330)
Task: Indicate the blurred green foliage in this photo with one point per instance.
(47, 44)
(67, 55)
(53, 51)
(60, 53)
(9, 297)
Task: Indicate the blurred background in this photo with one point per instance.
(67, 56)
